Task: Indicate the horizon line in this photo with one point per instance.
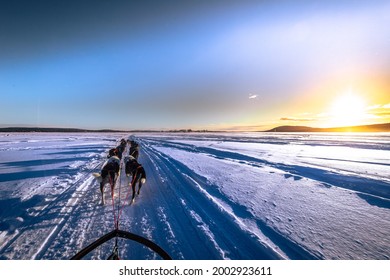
(286, 127)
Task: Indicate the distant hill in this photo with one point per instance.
(385, 127)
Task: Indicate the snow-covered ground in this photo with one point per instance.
(207, 196)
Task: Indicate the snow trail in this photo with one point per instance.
(207, 196)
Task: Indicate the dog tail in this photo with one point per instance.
(98, 177)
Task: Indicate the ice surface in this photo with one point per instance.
(207, 196)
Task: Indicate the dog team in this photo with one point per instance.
(111, 168)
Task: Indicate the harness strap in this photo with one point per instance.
(116, 219)
(128, 192)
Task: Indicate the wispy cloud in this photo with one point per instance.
(253, 96)
(245, 128)
(375, 113)
(379, 110)
(382, 113)
(297, 119)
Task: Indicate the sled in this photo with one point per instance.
(122, 234)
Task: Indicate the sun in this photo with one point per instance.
(348, 109)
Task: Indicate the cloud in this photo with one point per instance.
(298, 119)
(379, 110)
(244, 127)
(383, 114)
(253, 96)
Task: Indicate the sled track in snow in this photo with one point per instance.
(66, 201)
(360, 185)
(241, 242)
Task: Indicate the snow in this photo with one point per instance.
(208, 196)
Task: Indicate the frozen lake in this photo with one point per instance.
(207, 196)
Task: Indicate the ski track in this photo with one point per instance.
(178, 209)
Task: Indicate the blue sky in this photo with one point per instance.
(238, 65)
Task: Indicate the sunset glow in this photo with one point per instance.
(348, 110)
(224, 65)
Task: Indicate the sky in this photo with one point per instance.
(216, 65)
